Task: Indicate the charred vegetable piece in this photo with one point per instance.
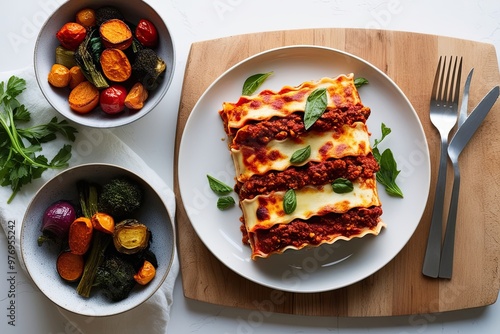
(131, 236)
(90, 70)
(148, 68)
(120, 197)
(115, 277)
(106, 13)
(56, 221)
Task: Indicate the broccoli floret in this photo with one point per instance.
(115, 277)
(148, 68)
(120, 197)
(106, 13)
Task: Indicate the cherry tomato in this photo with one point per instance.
(146, 33)
(112, 99)
(71, 35)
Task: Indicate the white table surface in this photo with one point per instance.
(197, 20)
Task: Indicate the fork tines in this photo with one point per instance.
(447, 90)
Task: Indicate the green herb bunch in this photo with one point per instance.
(20, 158)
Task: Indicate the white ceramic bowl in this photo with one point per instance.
(40, 261)
(44, 58)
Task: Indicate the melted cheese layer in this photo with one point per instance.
(350, 141)
(264, 211)
(341, 92)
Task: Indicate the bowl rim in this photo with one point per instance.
(115, 121)
(171, 250)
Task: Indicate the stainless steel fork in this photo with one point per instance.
(443, 115)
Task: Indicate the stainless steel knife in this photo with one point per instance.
(473, 121)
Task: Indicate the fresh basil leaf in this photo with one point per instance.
(388, 173)
(385, 132)
(388, 166)
(289, 201)
(342, 186)
(252, 83)
(217, 186)
(358, 82)
(225, 202)
(301, 155)
(316, 105)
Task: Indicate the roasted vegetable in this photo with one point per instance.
(88, 194)
(84, 97)
(56, 221)
(148, 68)
(65, 57)
(146, 273)
(90, 70)
(86, 17)
(115, 277)
(71, 35)
(136, 97)
(75, 77)
(59, 76)
(131, 236)
(115, 34)
(146, 33)
(70, 266)
(105, 13)
(80, 235)
(120, 197)
(95, 46)
(112, 99)
(103, 222)
(115, 65)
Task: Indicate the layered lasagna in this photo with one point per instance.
(265, 130)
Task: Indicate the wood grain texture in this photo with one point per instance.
(399, 288)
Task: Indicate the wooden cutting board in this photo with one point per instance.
(410, 59)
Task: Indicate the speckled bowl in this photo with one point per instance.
(40, 261)
(44, 58)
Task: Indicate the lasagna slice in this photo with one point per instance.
(265, 130)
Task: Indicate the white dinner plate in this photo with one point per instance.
(203, 150)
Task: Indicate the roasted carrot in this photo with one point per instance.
(103, 222)
(80, 235)
(70, 266)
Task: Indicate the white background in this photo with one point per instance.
(153, 137)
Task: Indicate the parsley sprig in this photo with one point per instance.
(20, 158)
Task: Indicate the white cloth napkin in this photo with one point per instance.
(153, 315)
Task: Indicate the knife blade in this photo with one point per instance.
(473, 121)
(462, 115)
